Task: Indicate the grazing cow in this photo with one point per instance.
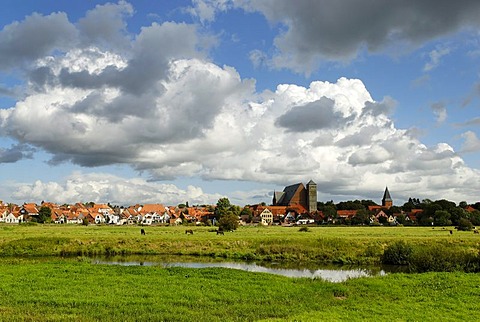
(142, 231)
(189, 231)
(451, 232)
(220, 232)
(475, 231)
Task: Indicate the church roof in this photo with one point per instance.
(386, 195)
(288, 194)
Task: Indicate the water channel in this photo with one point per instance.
(332, 273)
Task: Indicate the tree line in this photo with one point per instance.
(437, 213)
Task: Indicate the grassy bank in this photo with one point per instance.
(346, 245)
(36, 290)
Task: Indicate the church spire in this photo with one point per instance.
(387, 201)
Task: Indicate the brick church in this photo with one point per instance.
(298, 196)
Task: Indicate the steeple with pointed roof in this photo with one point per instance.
(387, 201)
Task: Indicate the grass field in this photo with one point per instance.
(69, 290)
(347, 245)
(35, 288)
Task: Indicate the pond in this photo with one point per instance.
(330, 273)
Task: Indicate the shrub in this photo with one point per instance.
(437, 258)
(228, 222)
(464, 224)
(399, 253)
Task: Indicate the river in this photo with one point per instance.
(332, 273)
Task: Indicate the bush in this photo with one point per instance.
(437, 258)
(464, 224)
(399, 253)
(228, 222)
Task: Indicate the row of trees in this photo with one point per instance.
(440, 212)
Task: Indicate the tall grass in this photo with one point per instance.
(344, 245)
(436, 258)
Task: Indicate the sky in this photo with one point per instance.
(191, 101)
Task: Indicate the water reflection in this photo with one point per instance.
(330, 273)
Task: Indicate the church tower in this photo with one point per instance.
(387, 201)
(312, 196)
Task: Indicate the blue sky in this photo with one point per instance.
(174, 101)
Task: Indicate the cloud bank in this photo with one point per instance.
(313, 31)
(155, 102)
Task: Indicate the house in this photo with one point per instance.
(99, 218)
(175, 220)
(411, 216)
(345, 214)
(470, 209)
(381, 216)
(3, 213)
(130, 215)
(101, 213)
(58, 216)
(14, 216)
(153, 213)
(392, 220)
(74, 218)
(266, 217)
(29, 211)
(305, 221)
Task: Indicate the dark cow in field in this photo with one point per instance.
(189, 231)
(220, 232)
(475, 231)
(451, 232)
(142, 231)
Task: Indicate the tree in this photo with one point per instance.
(361, 217)
(383, 220)
(350, 205)
(223, 206)
(442, 218)
(329, 211)
(475, 217)
(44, 215)
(401, 219)
(227, 214)
(228, 221)
(464, 224)
(247, 213)
(457, 214)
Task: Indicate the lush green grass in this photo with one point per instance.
(348, 245)
(75, 290)
(37, 289)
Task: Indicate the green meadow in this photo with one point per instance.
(342, 245)
(69, 290)
(38, 284)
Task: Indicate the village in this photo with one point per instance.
(295, 205)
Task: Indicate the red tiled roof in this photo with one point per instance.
(151, 208)
(346, 213)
